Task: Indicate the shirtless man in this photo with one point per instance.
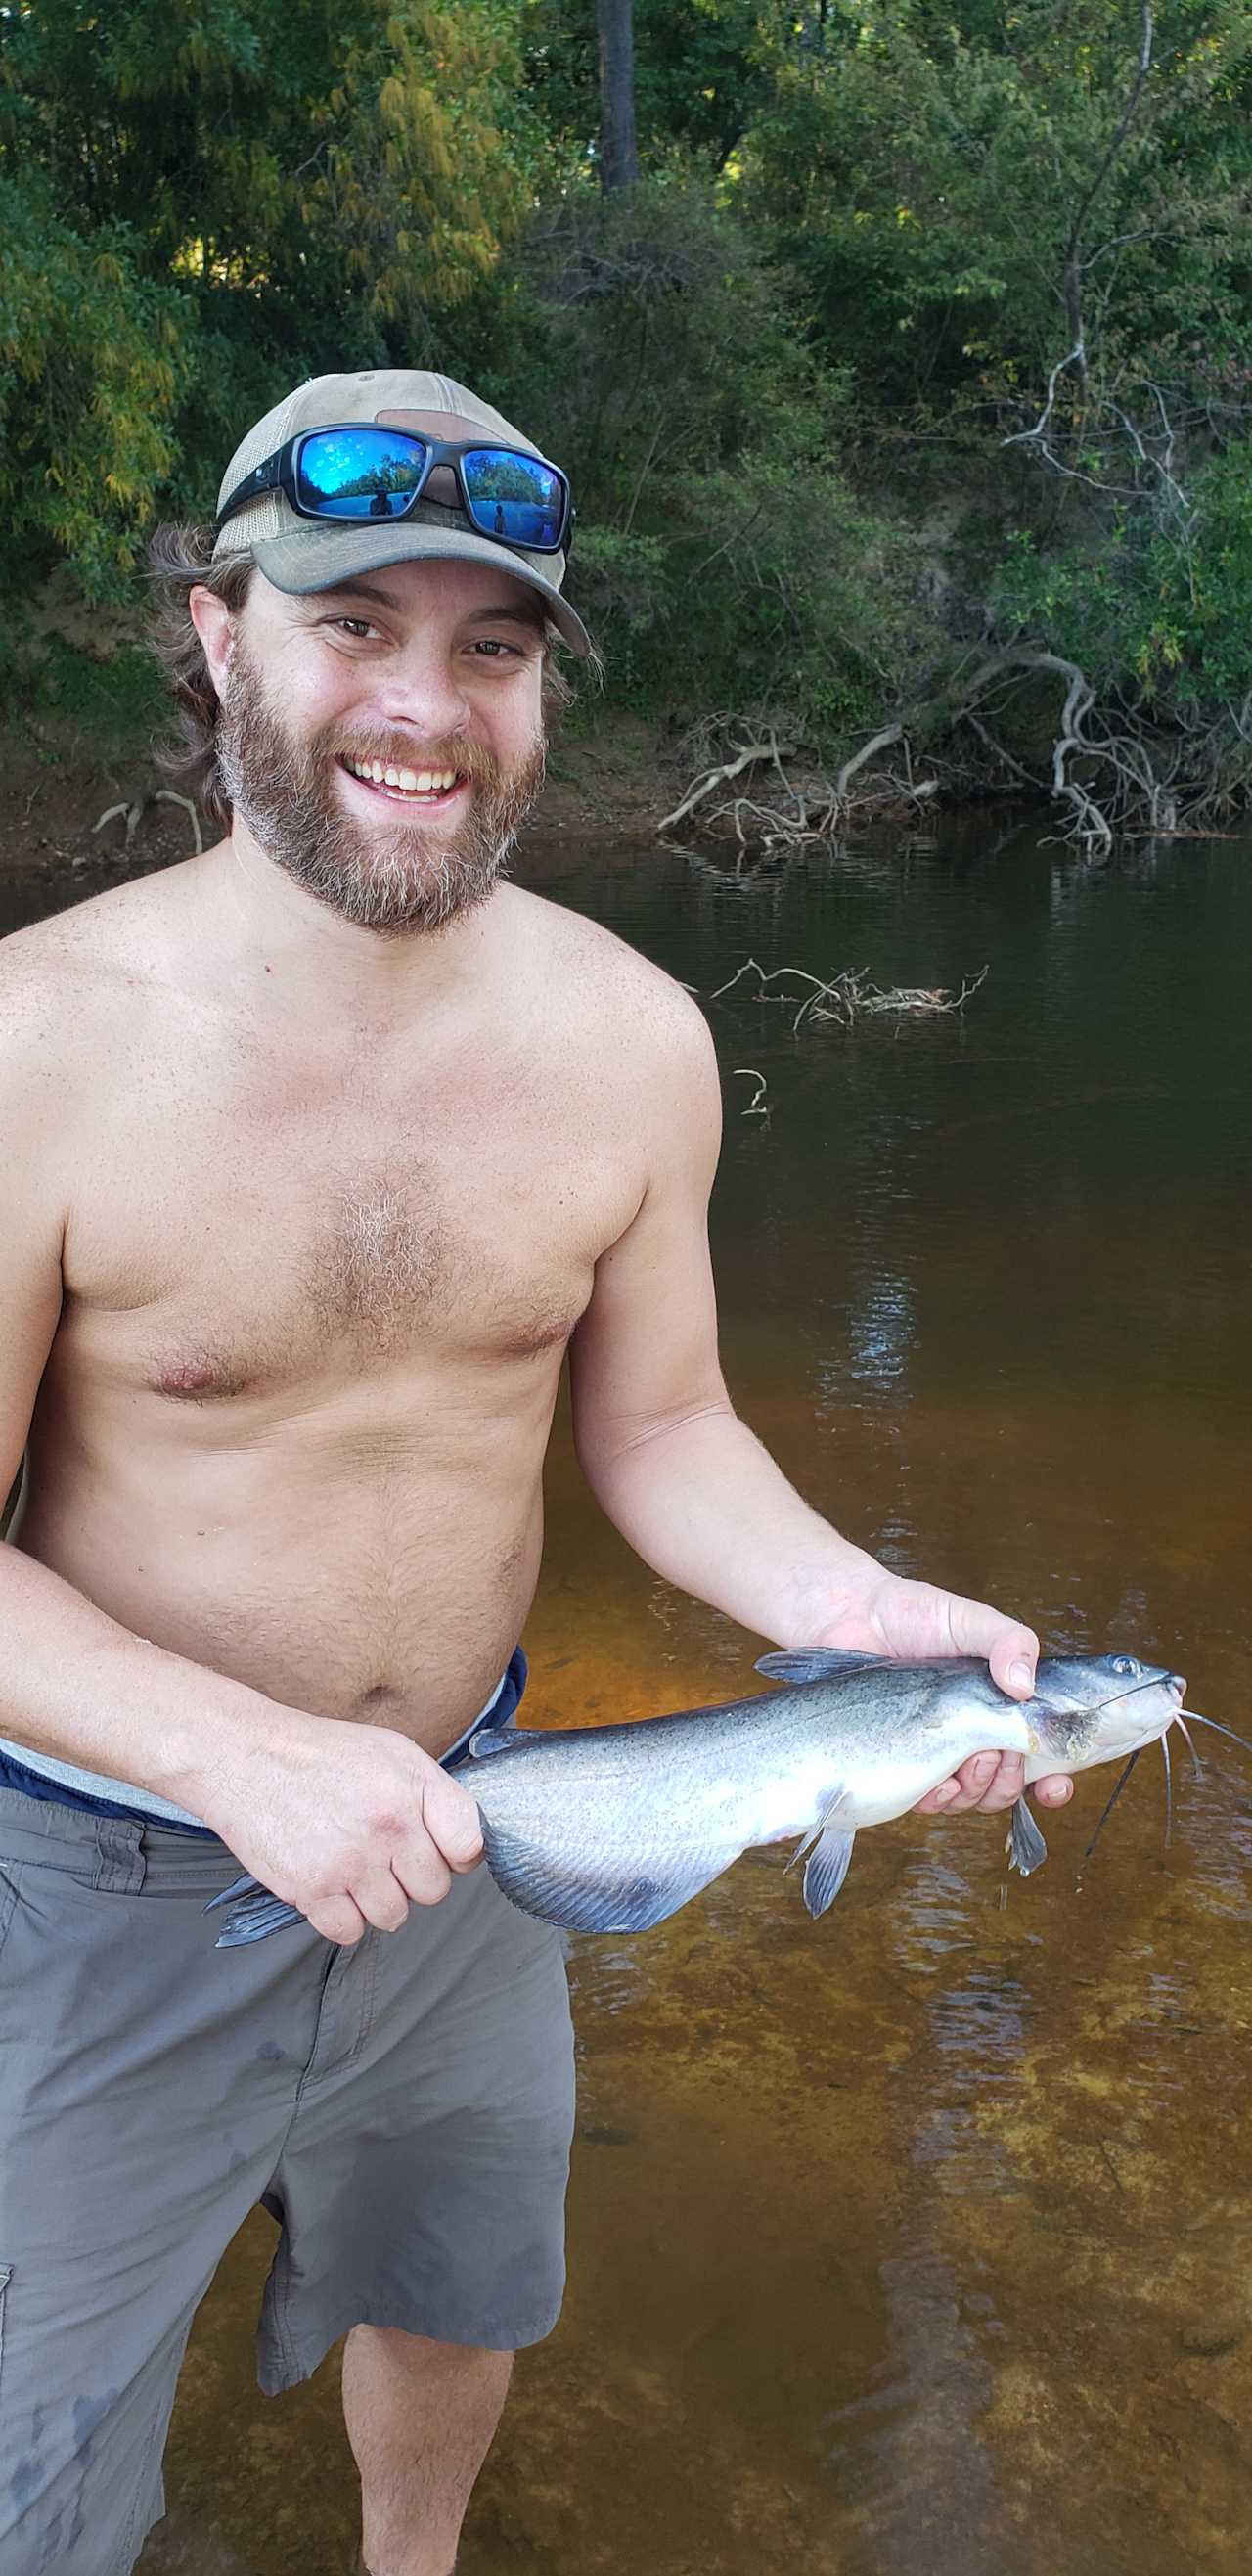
(319, 1151)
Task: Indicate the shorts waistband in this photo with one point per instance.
(118, 1854)
(122, 1853)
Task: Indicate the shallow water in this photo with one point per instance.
(918, 2239)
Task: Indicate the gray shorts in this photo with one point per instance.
(403, 2108)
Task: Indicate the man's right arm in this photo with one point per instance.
(346, 1822)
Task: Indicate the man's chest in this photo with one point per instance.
(288, 1242)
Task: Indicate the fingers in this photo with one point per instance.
(421, 1872)
(1007, 1645)
(337, 1918)
(1013, 1656)
(991, 1782)
(1055, 1791)
(381, 1897)
(451, 1819)
(384, 1902)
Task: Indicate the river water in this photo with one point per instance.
(917, 2239)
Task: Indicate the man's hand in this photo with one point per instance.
(347, 1823)
(914, 1622)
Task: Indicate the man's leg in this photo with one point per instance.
(143, 2103)
(420, 2419)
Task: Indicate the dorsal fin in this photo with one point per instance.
(817, 1664)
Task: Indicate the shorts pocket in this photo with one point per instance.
(8, 1902)
(6, 2275)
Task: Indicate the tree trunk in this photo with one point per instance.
(619, 160)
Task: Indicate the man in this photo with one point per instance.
(320, 1151)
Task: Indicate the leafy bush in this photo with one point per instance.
(93, 360)
(1157, 614)
(720, 555)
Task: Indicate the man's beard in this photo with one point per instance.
(405, 878)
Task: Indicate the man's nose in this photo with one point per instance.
(424, 693)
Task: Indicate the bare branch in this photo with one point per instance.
(877, 742)
(1119, 137)
(1072, 263)
(727, 770)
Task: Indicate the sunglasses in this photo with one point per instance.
(363, 473)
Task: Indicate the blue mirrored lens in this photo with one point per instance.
(515, 497)
(359, 473)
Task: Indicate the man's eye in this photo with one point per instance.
(353, 625)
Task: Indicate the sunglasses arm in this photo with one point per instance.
(266, 477)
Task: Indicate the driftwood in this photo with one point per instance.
(1115, 774)
(851, 996)
(756, 1107)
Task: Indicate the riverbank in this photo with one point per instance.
(70, 791)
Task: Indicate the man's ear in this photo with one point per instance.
(215, 626)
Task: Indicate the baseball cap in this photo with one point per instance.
(299, 555)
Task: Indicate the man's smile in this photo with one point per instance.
(435, 789)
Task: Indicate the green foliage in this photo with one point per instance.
(726, 560)
(1150, 613)
(207, 206)
(868, 235)
(699, 75)
(93, 359)
(925, 176)
(117, 702)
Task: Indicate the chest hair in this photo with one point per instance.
(382, 1258)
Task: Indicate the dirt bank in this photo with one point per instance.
(58, 779)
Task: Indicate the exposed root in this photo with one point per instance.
(134, 814)
(792, 803)
(110, 815)
(1113, 772)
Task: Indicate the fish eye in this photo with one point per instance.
(1125, 1667)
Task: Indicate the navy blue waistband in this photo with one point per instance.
(36, 1784)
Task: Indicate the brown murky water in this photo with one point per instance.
(919, 2239)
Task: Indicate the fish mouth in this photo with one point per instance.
(1174, 1683)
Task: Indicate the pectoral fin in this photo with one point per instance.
(826, 1853)
(1024, 1843)
(826, 1868)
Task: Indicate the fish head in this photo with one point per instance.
(1095, 1708)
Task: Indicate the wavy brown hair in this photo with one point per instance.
(180, 560)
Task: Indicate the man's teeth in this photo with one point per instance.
(419, 782)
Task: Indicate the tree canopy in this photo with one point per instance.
(922, 328)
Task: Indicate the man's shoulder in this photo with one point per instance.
(589, 973)
(62, 976)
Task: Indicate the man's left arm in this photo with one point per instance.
(692, 1489)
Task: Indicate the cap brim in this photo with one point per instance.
(317, 558)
